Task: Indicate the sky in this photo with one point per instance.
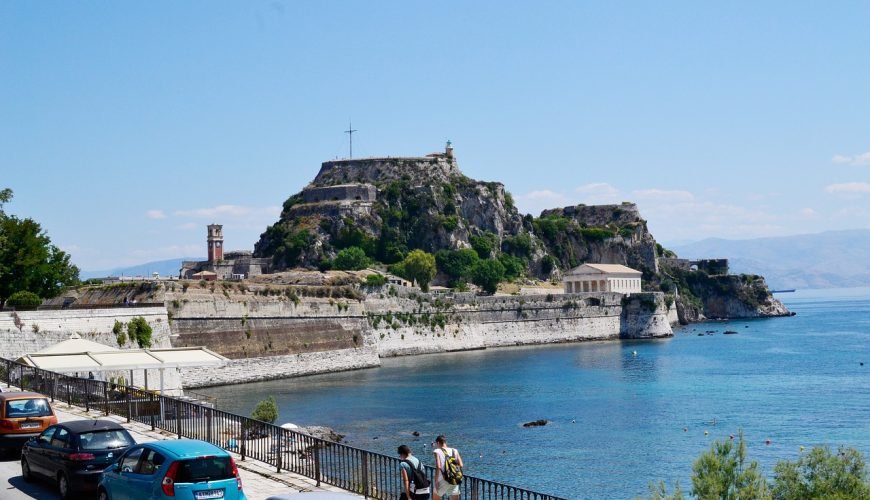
(127, 127)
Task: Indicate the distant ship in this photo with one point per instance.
(790, 290)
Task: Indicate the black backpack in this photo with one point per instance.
(418, 477)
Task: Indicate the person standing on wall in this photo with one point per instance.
(448, 470)
(415, 486)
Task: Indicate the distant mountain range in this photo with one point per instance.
(823, 260)
(164, 267)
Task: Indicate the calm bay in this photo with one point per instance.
(621, 414)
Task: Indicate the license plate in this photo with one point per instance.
(208, 494)
(30, 425)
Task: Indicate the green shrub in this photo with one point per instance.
(375, 280)
(266, 410)
(23, 300)
(350, 259)
(140, 331)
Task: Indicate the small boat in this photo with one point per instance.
(729, 332)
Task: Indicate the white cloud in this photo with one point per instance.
(599, 193)
(671, 196)
(228, 211)
(859, 159)
(535, 201)
(155, 214)
(187, 226)
(849, 188)
(808, 212)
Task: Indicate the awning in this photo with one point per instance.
(133, 359)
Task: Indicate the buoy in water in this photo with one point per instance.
(731, 436)
(706, 433)
(634, 353)
(685, 429)
(767, 442)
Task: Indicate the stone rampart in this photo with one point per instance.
(378, 170)
(406, 326)
(41, 329)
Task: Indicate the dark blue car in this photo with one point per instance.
(74, 454)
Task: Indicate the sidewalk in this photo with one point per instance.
(259, 480)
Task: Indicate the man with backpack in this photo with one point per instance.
(448, 470)
(415, 484)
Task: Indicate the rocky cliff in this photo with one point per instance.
(390, 206)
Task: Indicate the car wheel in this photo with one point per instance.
(25, 470)
(63, 486)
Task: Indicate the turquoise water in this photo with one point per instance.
(617, 419)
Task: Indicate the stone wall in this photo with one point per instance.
(91, 324)
(378, 170)
(352, 192)
(427, 327)
(270, 336)
(275, 367)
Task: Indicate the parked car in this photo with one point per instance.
(74, 454)
(184, 469)
(23, 415)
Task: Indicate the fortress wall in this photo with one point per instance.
(272, 336)
(55, 326)
(503, 321)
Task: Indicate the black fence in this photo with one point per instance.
(370, 474)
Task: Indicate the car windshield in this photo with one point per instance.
(20, 408)
(204, 469)
(105, 440)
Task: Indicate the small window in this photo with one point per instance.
(45, 437)
(60, 439)
(131, 460)
(150, 463)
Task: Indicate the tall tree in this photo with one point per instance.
(722, 473)
(28, 260)
(420, 267)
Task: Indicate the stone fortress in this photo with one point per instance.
(235, 265)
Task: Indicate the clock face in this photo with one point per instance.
(218, 244)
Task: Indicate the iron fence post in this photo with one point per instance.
(68, 393)
(317, 464)
(365, 474)
(106, 397)
(153, 409)
(208, 426)
(129, 404)
(87, 397)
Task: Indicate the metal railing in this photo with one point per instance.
(367, 473)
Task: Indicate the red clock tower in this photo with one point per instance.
(215, 242)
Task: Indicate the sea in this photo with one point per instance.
(621, 414)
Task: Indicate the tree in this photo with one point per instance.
(28, 260)
(513, 267)
(484, 244)
(457, 264)
(722, 473)
(419, 266)
(375, 280)
(822, 475)
(350, 259)
(488, 274)
(266, 410)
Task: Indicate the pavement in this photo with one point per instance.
(259, 480)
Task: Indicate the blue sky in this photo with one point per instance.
(127, 127)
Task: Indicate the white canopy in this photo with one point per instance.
(116, 359)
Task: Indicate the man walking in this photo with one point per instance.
(415, 486)
(448, 470)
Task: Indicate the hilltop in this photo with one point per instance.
(388, 207)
